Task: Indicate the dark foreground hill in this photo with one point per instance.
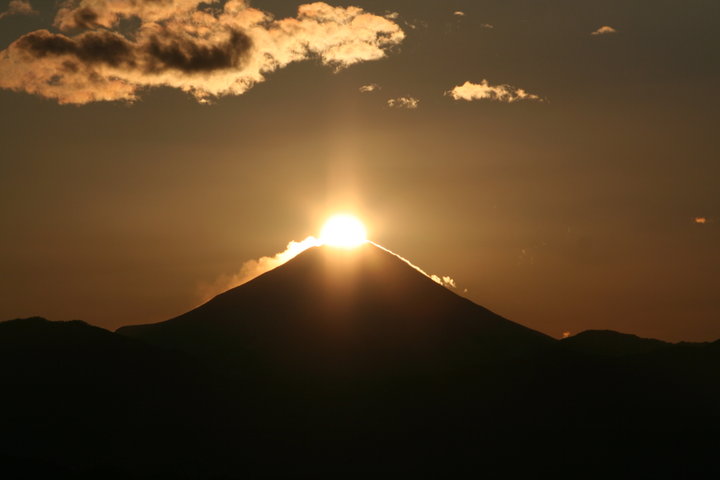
(75, 397)
(351, 364)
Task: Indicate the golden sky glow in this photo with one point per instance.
(544, 168)
(339, 230)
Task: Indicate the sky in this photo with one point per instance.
(558, 159)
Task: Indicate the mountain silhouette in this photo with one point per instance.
(611, 343)
(351, 363)
(75, 397)
(348, 309)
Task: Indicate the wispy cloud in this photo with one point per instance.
(205, 50)
(484, 91)
(604, 30)
(410, 103)
(369, 88)
(254, 268)
(460, 13)
(18, 7)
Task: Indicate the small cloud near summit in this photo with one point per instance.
(604, 30)
(409, 103)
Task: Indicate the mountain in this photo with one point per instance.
(349, 309)
(611, 343)
(76, 396)
(351, 364)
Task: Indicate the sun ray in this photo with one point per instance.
(344, 231)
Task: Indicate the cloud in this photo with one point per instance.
(604, 30)
(444, 280)
(80, 14)
(403, 102)
(369, 88)
(184, 44)
(484, 91)
(254, 268)
(18, 7)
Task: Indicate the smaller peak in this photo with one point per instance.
(40, 322)
(39, 331)
(606, 334)
(612, 343)
(36, 320)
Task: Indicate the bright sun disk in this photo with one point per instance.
(345, 231)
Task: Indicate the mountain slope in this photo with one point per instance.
(332, 306)
(611, 343)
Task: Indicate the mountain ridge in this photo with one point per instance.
(337, 303)
(346, 364)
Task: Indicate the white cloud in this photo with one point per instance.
(604, 30)
(183, 44)
(484, 91)
(410, 103)
(445, 281)
(254, 268)
(369, 88)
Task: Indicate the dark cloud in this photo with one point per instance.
(156, 54)
(101, 47)
(180, 53)
(179, 44)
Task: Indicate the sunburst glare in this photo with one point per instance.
(344, 231)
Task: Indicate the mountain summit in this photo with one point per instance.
(358, 306)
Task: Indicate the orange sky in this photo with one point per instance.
(554, 168)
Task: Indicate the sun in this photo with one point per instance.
(344, 231)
